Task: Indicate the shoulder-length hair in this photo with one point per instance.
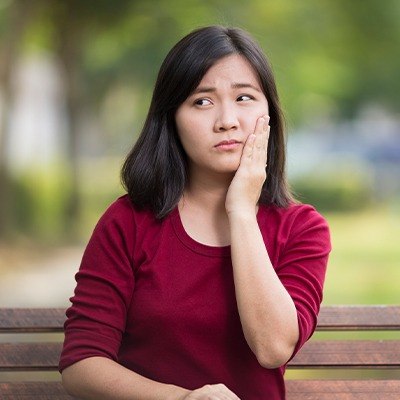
(155, 170)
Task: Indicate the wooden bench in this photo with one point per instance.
(30, 340)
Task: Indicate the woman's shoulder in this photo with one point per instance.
(296, 224)
(122, 211)
(295, 215)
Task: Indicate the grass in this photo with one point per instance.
(364, 266)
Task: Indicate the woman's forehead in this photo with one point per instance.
(234, 70)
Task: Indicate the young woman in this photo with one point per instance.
(206, 278)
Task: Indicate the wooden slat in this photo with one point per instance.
(359, 318)
(342, 390)
(348, 354)
(318, 354)
(330, 318)
(31, 320)
(29, 356)
(296, 390)
(33, 390)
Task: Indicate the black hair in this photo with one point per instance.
(155, 171)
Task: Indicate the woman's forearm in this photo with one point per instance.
(267, 312)
(100, 378)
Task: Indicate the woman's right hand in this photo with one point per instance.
(211, 392)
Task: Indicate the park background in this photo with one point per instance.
(75, 82)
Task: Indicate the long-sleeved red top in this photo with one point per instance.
(163, 305)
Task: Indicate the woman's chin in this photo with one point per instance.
(229, 165)
(229, 169)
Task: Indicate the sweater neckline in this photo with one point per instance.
(194, 245)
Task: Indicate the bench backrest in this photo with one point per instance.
(21, 352)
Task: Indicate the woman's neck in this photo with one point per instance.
(202, 209)
(203, 214)
(205, 193)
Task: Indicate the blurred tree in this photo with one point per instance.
(74, 23)
(69, 25)
(372, 43)
(330, 58)
(15, 19)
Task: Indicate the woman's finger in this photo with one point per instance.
(226, 393)
(266, 129)
(258, 143)
(267, 132)
(255, 142)
(212, 392)
(261, 142)
(248, 147)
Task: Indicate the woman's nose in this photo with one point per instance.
(226, 120)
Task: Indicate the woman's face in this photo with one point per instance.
(214, 122)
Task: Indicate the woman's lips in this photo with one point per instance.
(228, 145)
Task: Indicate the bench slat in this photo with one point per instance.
(342, 390)
(31, 319)
(29, 356)
(359, 318)
(348, 354)
(33, 390)
(330, 318)
(317, 354)
(296, 390)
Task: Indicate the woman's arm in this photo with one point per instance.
(267, 312)
(100, 378)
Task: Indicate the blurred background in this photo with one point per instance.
(75, 83)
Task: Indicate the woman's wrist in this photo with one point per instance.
(243, 214)
(176, 393)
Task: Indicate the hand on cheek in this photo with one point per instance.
(256, 150)
(245, 188)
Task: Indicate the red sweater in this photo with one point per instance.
(156, 301)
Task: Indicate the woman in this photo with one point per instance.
(207, 277)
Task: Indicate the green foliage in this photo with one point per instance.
(317, 48)
(100, 186)
(342, 192)
(330, 59)
(39, 200)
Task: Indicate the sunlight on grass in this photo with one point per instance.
(364, 266)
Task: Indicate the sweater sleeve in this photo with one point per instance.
(105, 280)
(302, 267)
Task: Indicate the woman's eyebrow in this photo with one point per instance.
(204, 89)
(234, 85)
(239, 85)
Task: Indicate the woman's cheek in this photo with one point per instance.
(252, 121)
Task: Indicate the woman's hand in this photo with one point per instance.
(245, 188)
(211, 392)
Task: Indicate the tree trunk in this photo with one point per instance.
(20, 14)
(69, 50)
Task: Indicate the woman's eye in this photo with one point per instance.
(202, 102)
(244, 97)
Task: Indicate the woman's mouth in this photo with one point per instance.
(228, 145)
